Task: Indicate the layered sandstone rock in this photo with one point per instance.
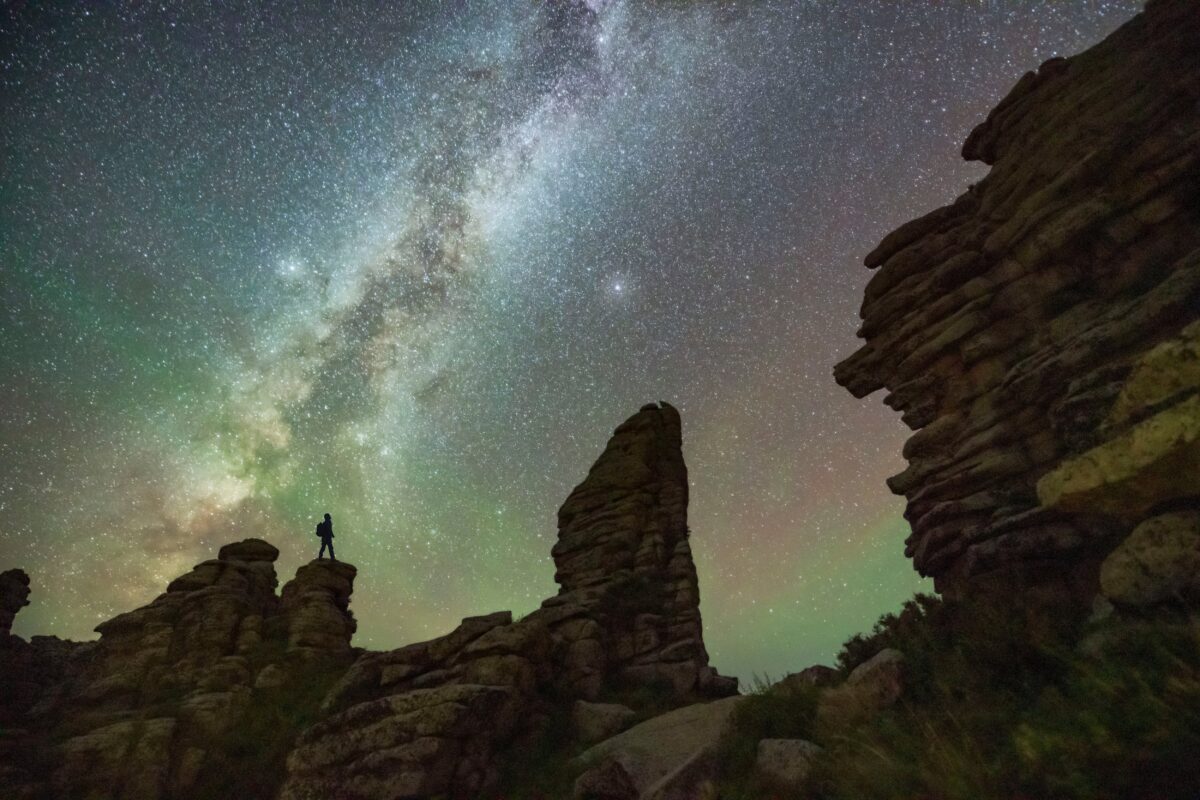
(623, 554)
(31, 674)
(144, 711)
(434, 718)
(316, 606)
(168, 678)
(14, 595)
(205, 691)
(1023, 330)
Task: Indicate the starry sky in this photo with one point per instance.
(411, 264)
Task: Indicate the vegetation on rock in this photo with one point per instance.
(1004, 701)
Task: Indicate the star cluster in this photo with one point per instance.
(410, 264)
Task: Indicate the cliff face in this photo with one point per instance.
(220, 687)
(1035, 333)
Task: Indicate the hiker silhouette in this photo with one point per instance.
(325, 531)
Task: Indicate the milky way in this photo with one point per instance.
(411, 264)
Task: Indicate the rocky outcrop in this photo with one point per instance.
(14, 595)
(426, 719)
(433, 718)
(1144, 471)
(1036, 334)
(623, 555)
(818, 675)
(144, 711)
(221, 687)
(315, 605)
(166, 682)
(31, 673)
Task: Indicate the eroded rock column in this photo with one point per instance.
(623, 554)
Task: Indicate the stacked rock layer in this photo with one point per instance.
(221, 688)
(1017, 329)
(432, 718)
(148, 709)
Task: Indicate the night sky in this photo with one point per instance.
(411, 265)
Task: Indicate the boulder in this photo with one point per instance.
(1158, 561)
(873, 686)
(421, 743)
(594, 722)
(670, 755)
(609, 781)
(818, 675)
(14, 595)
(785, 764)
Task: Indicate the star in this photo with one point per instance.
(411, 264)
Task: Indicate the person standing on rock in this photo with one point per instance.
(325, 531)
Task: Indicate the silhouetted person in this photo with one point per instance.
(325, 531)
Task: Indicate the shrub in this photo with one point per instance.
(250, 759)
(647, 698)
(767, 712)
(1007, 702)
(539, 769)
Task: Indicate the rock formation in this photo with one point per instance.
(221, 687)
(431, 718)
(1035, 332)
(595, 722)
(146, 709)
(623, 554)
(14, 595)
(29, 673)
(315, 605)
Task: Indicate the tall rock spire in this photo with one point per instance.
(623, 553)
(441, 714)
